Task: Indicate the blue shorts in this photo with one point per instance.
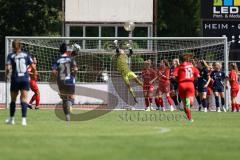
(66, 89)
(202, 89)
(19, 86)
(218, 89)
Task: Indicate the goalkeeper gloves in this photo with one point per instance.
(130, 50)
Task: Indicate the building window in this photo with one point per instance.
(108, 31)
(92, 32)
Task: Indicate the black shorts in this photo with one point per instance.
(173, 85)
(19, 86)
(202, 89)
(66, 89)
(218, 89)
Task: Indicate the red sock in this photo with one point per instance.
(147, 103)
(237, 106)
(32, 99)
(160, 101)
(37, 100)
(157, 102)
(150, 100)
(188, 113)
(170, 101)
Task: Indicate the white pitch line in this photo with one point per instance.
(164, 130)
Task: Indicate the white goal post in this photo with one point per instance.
(97, 82)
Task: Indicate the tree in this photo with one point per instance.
(29, 18)
(178, 18)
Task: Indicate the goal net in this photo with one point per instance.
(98, 83)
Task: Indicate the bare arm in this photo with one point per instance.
(209, 80)
(152, 81)
(7, 71)
(74, 70)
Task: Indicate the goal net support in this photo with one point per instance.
(98, 82)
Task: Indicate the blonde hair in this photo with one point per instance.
(177, 61)
(148, 61)
(234, 67)
(218, 64)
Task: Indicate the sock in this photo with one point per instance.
(187, 108)
(66, 106)
(217, 101)
(233, 107)
(175, 100)
(204, 103)
(150, 100)
(24, 106)
(223, 101)
(37, 100)
(237, 107)
(12, 109)
(188, 113)
(179, 100)
(170, 101)
(147, 102)
(160, 101)
(32, 99)
(132, 92)
(157, 102)
(199, 100)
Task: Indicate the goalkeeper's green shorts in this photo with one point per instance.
(127, 77)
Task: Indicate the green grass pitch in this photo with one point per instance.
(119, 136)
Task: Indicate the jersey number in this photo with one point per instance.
(189, 73)
(65, 71)
(21, 66)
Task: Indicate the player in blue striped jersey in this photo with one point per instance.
(203, 82)
(18, 62)
(218, 77)
(65, 70)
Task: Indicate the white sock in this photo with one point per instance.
(68, 117)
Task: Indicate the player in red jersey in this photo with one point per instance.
(185, 74)
(163, 86)
(33, 85)
(233, 79)
(148, 74)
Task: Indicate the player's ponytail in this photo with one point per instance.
(234, 67)
(165, 61)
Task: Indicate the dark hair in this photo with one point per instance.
(165, 61)
(63, 47)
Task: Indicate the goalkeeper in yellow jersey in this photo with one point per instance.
(120, 61)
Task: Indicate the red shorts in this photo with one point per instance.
(186, 90)
(164, 88)
(148, 87)
(234, 92)
(34, 86)
(209, 91)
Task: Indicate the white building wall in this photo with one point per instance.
(109, 10)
